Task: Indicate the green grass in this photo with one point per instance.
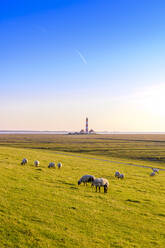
(41, 207)
(142, 148)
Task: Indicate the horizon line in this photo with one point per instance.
(97, 132)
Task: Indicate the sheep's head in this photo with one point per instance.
(79, 182)
(105, 188)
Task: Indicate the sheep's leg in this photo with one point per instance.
(99, 188)
(96, 188)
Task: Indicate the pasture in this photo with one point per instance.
(41, 207)
(145, 148)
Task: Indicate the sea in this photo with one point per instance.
(66, 132)
(33, 132)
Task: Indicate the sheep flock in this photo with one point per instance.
(97, 182)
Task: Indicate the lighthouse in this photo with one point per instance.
(86, 127)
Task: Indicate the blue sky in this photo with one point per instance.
(64, 60)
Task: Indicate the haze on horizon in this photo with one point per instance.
(63, 60)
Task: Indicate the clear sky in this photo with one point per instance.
(63, 60)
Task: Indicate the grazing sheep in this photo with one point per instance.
(155, 170)
(36, 163)
(101, 182)
(117, 174)
(24, 161)
(121, 176)
(51, 165)
(59, 165)
(86, 179)
(152, 174)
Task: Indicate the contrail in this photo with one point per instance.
(81, 57)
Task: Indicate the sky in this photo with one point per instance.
(63, 60)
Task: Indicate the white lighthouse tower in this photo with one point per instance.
(86, 127)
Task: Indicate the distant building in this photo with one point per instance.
(82, 131)
(91, 131)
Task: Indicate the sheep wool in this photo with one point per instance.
(117, 174)
(101, 182)
(121, 176)
(155, 170)
(59, 165)
(86, 179)
(36, 163)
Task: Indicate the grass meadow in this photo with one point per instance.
(41, 207)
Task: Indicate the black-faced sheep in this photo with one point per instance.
(86, 179)
(24, 161)
(51, 165)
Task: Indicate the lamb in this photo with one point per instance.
(36, 163)
(117, 174)
(86, 179)
(121, 176)
(51, 165)
(101, 182)
(152, 174)
(155, 170)
(24, 161)
(59, 165)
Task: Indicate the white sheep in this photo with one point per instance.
(117, 174)
(51, 165)
(152, 174)
(24, 161)
(155, 170)
(86, 179)
(59, 165)
(121, 176)
(36, 163)
(101, 182)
